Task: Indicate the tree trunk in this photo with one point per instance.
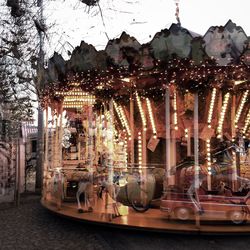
(40, 86)
(40, 152)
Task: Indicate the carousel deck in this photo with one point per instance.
(151, 220)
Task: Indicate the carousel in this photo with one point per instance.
(152, 136)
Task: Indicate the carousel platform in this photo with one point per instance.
(151, 220)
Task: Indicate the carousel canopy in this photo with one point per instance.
(221, 57)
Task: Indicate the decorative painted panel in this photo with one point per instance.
(225, 44)
(124, 50)
(175, 41)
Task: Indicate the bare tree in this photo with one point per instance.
(21, 59)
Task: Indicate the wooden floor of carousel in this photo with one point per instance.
(151, 220)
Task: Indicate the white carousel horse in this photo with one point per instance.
(57, 186)
(111, 189)
(85, 186)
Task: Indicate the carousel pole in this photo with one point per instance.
(87, 140)
(233, 116)
(79, 151)
(55, 163)
(220, 107)
(196, 141)
(173, 141)
(56, 142)
(60, 134)
(235, 167)
(90, 152)
(111, 148)
(96, 140)
(91, 148)
(100, 141)
(132, 138)
(54, 133)
(52, 141)
(196, 151)
(168, 137)
(144, 150)
(208, 139)
(59, 146)
(189, 142)
(105, 141)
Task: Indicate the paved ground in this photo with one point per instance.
(32, 227)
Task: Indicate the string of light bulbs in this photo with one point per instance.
(222, 114)
(144, 123)
(208, 156)
(122, 117)
(175, 111)
(139, 150)
(211, 107)
(151, 117)
(239, 111)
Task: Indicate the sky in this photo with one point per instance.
(74, 21)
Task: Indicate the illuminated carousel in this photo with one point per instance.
(152, 136)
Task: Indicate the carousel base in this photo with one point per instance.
(151, 220)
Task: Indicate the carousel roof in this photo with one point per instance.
(178, 54)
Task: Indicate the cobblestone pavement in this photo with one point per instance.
(32, 227)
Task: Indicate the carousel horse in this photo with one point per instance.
(226, 152)
(245, 185)
(112, 189)
(85, 186)
(224, 189)
(57, 186)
